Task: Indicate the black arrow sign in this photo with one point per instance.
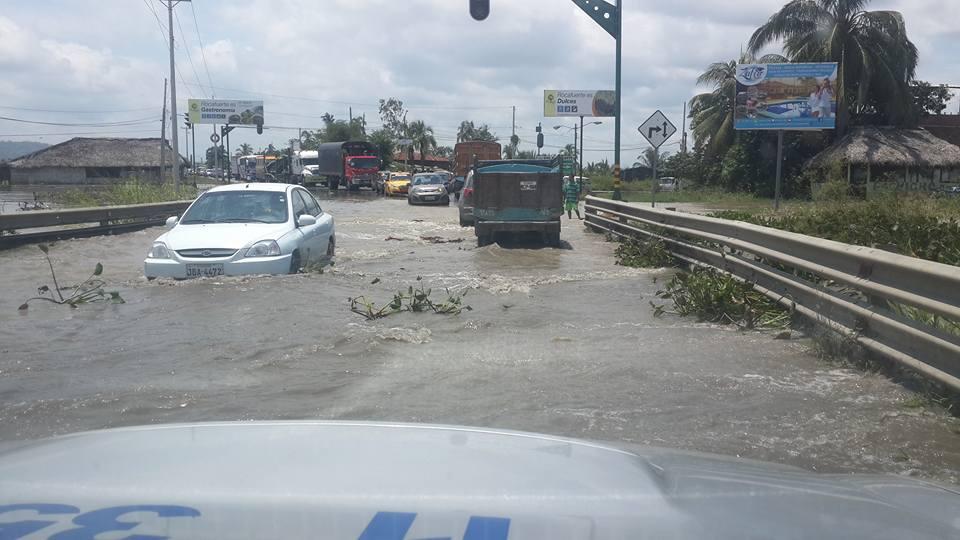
(650, 133)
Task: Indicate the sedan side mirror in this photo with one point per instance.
(172, 220)
(306, 220)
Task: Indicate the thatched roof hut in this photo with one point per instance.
(88, 160)
(903, 159)
(99, 152)
(889, 147)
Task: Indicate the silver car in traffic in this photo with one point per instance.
(244, 229)
(428, 188)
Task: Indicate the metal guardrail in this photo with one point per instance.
(847, 288)
(36, 226)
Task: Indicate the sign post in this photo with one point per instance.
(656, 130)
(780, 97)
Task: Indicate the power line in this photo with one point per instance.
(75, 112)
(163, 36)
(139, 121)
(76, 133)
(203, 53)
(354, 103)
(186, 47)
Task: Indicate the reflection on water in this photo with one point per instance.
(560, 341)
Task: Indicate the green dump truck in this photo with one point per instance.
(517, 196)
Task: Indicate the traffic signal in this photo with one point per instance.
(479, 9)
(259, 129)
(186, 120)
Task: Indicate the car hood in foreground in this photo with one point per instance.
(393, 481)
(222, 235)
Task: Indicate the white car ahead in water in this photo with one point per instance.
(244, 229)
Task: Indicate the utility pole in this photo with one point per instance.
(173, 95)
(513, 131)
(683, 138)
(163, 132)
(193, 139)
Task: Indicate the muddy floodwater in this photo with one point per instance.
(560, 341)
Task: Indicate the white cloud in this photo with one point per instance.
(334, 54)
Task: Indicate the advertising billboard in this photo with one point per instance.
(225, 111)
(600, 103)
(786, 96)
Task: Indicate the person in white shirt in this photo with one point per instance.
(814, 102)
(826, 99)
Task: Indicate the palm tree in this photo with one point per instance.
(422, 136)
(877, 59)
(650, 158)
(712, 112)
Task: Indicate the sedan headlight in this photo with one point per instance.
(160, 251)
(263, 248)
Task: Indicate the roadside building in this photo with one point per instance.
(945, 126)
(883, 159)
(93, 161)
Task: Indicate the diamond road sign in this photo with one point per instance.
(657, 129)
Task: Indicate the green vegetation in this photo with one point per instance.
(133, 192)
(876, 86)
(716, 297)
(920, 227)
(415, 300)
(643, 254)
(90, 290)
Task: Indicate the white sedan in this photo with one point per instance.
(244, 229)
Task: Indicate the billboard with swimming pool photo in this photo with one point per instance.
(786, 96)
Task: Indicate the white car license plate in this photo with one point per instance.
(204, 270)
(430, 198)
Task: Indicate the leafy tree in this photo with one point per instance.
(423, 138)
(929, 99)
(383, 140)
(394, 117)
(469, 132)
(340, 130)
(877, 59)
(600, 167)
(525, 154)
(511, 150)
(443, 151)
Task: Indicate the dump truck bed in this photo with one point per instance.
(517, 196)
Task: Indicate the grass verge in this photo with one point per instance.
(134, 192)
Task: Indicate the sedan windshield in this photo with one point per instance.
(427, 180)
(238, 207)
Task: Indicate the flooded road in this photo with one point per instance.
(560, 341)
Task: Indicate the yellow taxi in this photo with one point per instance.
(397, 184)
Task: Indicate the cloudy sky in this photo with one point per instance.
(76, 62)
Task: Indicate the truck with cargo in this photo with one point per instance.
(517, 196)
(464, 154)
(353, 164)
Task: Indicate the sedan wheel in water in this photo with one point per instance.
(295, 263)
(331, 247)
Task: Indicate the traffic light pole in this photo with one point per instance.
(619, 38)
